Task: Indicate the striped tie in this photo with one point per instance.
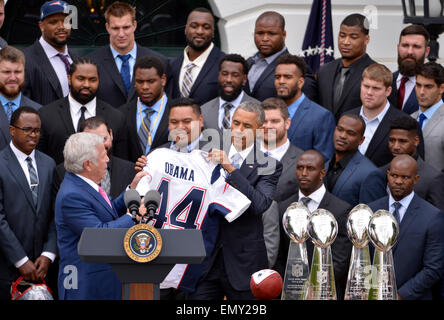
(143, 133)
(226, 121)
(9, 110)
(187, 81)
(34, 180)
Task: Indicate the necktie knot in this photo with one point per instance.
(124, 58)
(421, 119)
(148, 112)
(190, 66)
(404, 79)
(305, 200)
(236, 160)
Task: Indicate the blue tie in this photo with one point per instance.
(125, 71)
(421, 119)
(396, 214)
(9, 110)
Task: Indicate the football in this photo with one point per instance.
(266, 284)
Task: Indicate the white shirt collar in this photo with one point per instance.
(277, 153)
(316, 196)
(399, 78)
(21, 156)
(200, 60)
(405, 202)
(236, 102)
(379, 117)
(244, 153)
(50, 50)
(94, 185)
(76, 106)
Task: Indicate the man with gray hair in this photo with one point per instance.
(82, 203)
(240, 249)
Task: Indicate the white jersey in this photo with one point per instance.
(190, 200)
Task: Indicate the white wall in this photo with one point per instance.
(237, 17)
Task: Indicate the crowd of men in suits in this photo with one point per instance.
(352, 133)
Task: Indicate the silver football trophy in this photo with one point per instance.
(360, 264)
(295, 224)
(383, 230)
(323, 230)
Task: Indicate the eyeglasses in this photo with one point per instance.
(28, 130)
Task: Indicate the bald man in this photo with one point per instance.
(309, 174)
(419, 253)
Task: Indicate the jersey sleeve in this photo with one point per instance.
(145, 184)
(227, 200)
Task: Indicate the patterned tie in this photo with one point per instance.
(226, 121)
(143, 133)
(236, 160)
(396, 214)
(340, 85)
(125, 71)
(82, 118)
(421, 119)
(401, 92)
(105, 196)
(187, 82)
(106, 182)
(305, 201)
(65, 62)
(9, 110)
(34, 180)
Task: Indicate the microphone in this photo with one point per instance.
(132, 202)
(151, 201)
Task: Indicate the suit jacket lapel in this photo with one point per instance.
(268, 70)
(211, 60)
(65, 115)
(17, 172)
(4, 125)
(407, 220)
(380, 133)
(42, 171)
(46, 68)
(434, 121)
(298, 117)
(347, 173)
(110, 65)
(249, 164)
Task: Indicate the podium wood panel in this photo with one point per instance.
(141, 291)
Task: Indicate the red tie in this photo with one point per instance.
(401, 92)
(104, 195)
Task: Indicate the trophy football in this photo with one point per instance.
(383, 230)
(323, 230)
(360, 264)
(295, 223)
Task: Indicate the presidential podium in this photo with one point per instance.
(141, 280)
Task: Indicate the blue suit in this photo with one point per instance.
(360, 182)
(79, 206)
(411, 105)
(419, 252)
(312, 127)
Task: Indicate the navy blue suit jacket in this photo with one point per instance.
(411, 105)
(79, 206)
(205, 87)
(25, 230)
(418, 254)
(360, 182)
(312, 127)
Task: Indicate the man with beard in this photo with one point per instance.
(146, 116)
(338, 82)
(218, 112)
(194, 73)
(63, 117)
(3, 43)
(311, 125)
(48, 59)
(116, 61)
(12, 81)
(413, 48)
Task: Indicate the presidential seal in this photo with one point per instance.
(142, 243)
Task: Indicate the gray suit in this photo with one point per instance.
(5, 137)
(3, 43)
(434, 139)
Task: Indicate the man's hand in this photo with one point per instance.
(28, 271)
(42, 264)
(137, 178)
(220, 156)
(140, 163)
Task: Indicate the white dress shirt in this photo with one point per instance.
(243, 154)
(371, 126)
(409, 86)
(57, 64)
(316, 198)
(21, 157)
(75, 110)
(236, 102)
(277, 153)
(405, 202)
(199, 62)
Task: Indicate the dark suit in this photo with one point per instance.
(240, 248)
(378, 151)
(111, 87)
(430, 186)
(351, 93)
(57, 126)
(134, 150)
(312, 127)
(25, 230)
(3, 43)
(264, 87)
(5, 136)
(341, 248)
(411, 105)
(205, 86)
(79, 206)
(360, 182)
(287, 184)
(418, 254)
(42, 84)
